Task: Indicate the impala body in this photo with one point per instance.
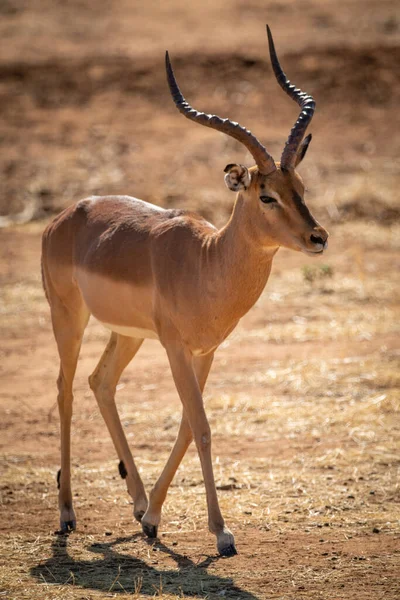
(145, 272)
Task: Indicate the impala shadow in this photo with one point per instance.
(120, 572)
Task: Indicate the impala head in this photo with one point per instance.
(272, 191)
(276, 208)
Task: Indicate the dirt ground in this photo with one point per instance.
(304, 397)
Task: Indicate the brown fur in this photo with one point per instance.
(170, 273)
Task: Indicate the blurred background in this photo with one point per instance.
(304, 397)
(85, 108)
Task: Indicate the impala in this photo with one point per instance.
(146, 272)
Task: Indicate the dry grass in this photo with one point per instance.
(335, 477)
(304, 397)
(306, 454)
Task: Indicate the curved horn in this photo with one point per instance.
(305, 102)
(264, 161)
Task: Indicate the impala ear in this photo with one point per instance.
(301, 152)
(237, 177)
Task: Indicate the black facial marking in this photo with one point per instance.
(122, 470)
(262, 186)
(298, 200)
(58, 478)
(302, 208)
(229, 167)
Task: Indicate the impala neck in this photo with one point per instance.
(244, 263)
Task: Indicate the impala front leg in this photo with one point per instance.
(151, 519)
(186, 382)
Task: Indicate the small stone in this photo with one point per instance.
(108, 533)
(376, 530)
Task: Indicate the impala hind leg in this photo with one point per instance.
(119, 352)
(151, 519)
(69, 325)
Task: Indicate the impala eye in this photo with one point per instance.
(267, 199)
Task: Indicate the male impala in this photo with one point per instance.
(146, 272)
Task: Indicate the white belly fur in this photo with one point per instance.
(135, 332)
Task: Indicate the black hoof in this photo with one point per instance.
(68, 526)
(138, 515)
(150, 530)
(228, 550)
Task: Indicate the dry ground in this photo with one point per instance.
(303, 398)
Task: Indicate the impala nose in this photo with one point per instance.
(319, 240)
(316, 239)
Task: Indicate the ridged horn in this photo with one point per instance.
(305, 102)
(264, 160)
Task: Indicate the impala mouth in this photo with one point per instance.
(314, 252)
(318, 249)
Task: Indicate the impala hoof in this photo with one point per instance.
(226, 543)
(227, 550)
(68, 526)
(149, 530)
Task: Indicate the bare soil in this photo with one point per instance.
(303, 398)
